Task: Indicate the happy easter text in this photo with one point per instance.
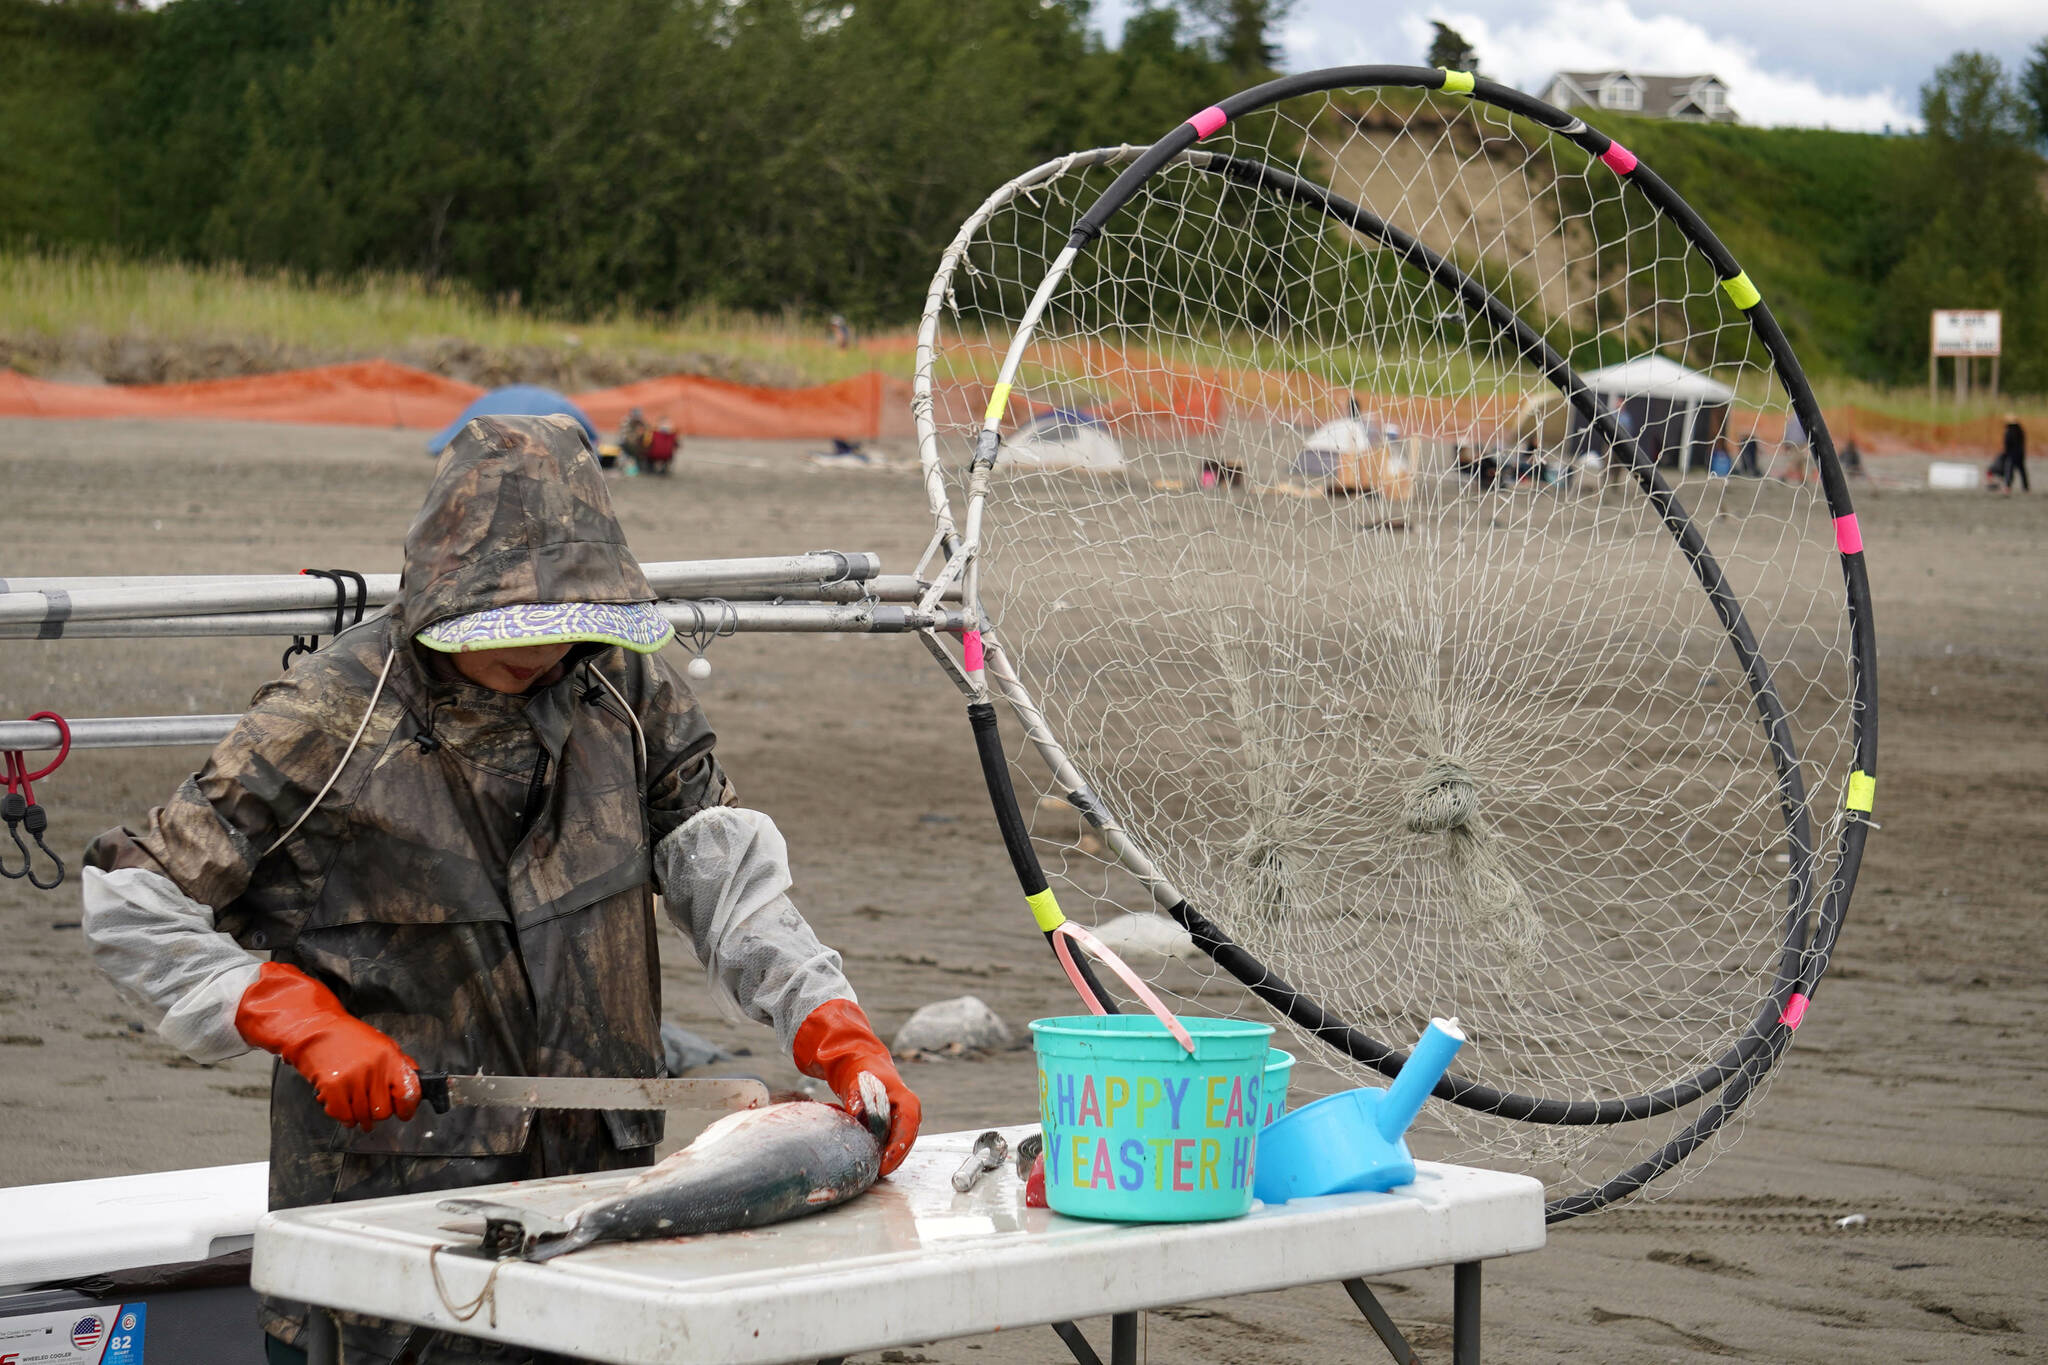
(1085, 1159)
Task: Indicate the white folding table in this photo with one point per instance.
(910, 1261)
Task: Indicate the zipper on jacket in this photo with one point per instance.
(536, 795)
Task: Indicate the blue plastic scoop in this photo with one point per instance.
(1354, 1140)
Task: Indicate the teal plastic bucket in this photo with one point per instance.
(1136, 1129)
(1273, 1094)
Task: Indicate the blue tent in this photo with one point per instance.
(526, 400)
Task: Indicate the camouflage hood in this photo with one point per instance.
(517, 513)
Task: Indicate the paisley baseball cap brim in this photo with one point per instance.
(630, 625)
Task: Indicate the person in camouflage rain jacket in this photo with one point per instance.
(446, 828)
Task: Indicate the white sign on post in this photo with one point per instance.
(1966, 331)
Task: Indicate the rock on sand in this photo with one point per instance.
(1147, 938)
(953, 1026)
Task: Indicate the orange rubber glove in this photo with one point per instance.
(360, 1075)
(835, 1043)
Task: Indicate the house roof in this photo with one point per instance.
(1661, 94)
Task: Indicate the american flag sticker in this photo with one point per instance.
(99, 1334)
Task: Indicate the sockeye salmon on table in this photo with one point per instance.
(747, 1170)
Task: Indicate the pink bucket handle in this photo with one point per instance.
(1098, 950)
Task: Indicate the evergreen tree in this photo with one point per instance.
(178, 132)
(663, 154)
(2034, 88)
(1972, 228)
(1450, 49)
(1242, 33)
(60, 66)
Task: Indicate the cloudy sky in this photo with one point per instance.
(1840, 63)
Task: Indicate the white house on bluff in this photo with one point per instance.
(1693, 99)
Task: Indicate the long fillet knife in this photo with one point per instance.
(441, 1090)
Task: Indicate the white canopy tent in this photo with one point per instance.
(1667, 395)
(1323, 453)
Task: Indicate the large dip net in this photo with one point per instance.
(1363, 563)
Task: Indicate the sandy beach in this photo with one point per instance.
(1913, 1096)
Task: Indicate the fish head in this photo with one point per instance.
(874, 1107)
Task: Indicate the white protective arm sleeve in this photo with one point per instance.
(164, 956)
(724, 878)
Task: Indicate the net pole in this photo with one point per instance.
(1038, 895)
(117, 732)
(855, 613)
(53, 601)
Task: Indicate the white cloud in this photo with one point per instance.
(1843, 63)
(1597, 34)
(1527, 45)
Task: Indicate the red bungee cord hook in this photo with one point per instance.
(18, 807)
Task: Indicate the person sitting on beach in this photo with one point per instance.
(661, 447)
(1617, 459)
(1478, 466)
(1796, 450)
(1720, 460)
(633, 435)
(1746, 463)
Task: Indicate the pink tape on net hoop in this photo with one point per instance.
(1619, 159)
(1848, 535)
(1098, 950)
(1795, 1010)
(970, 648)
(1208, 121)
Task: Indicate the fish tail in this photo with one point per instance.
(874, 1098)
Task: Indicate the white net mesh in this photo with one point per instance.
(1355, 631)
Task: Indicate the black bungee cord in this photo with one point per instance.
(343, 580)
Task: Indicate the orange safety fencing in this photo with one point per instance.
(379, 393)
(867, 405)
(1148, 398)
(363, 393)
(1876, 433)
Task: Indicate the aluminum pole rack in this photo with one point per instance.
(823, 592)
(47, 603)
(910, 1261)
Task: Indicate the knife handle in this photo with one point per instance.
(434, 1090)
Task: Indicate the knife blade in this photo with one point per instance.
(441, 1090)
